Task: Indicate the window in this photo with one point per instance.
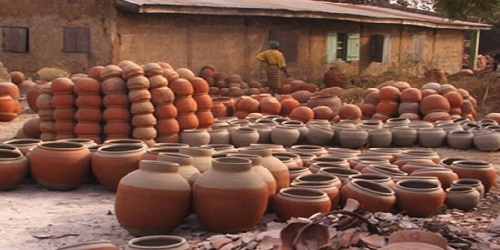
(289, 41)
(380, 48)
(342, 47)
(76, 40)
(15, 39)
(418, 45)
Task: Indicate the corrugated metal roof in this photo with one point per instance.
(300, 9)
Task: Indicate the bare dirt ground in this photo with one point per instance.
(35, 218)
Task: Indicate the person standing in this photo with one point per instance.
(275, 65)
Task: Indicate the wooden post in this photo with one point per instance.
(474, 48)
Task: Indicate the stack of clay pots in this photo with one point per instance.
(10, 107)
(63, 101)
(162, 97)
(409, 107)
(88, 115)
(45, 112)
(388, 103)
(116, 113)
(203, 102)
(184, 101)
(141, 108)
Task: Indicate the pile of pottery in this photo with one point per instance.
(432, 102)
(295, 181)
(124, 101)
(229, 85)
(10, 107)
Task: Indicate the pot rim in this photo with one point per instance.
(179, 241)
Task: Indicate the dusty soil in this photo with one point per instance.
(36, 218)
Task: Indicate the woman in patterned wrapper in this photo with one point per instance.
(275, 65)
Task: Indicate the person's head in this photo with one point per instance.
(274, 44)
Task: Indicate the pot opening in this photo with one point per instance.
(120, 147)
(69, 145)
(418, 184)
(374, 186)
(158, 242)
(5, 153)
(23, 141)
(316, 177)
(303, 192)
(334, 170)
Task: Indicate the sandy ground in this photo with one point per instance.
(35, 218)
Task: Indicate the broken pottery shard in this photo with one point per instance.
(374, 240)
(219, 241)
(494, 227)
(351, 205)
(345, 238)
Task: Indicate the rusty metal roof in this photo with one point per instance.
(297, 9)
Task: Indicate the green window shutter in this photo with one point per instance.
(353, 46)
(331, 47)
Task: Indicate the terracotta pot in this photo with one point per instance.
(163, 195)
(195, 137)
(113, 85)
(220, 136)
(187, 121)
(144, 133)
(459, 139)
(186, 167)
(203, 101)
(91, 245)
(158, 242)
(32, 94)
(372, 196)
(62, 85)
(353, 138)
(139, 95)
(185, 104)
(137, 82)
(86, 85)
(202, 157)
(300, 202)
(410, 192)
(162, 95)
(113, 161)
(319, 135)
(444, 175)
(167, 126)
(300, 126)
(13, 168)
(270, 105)
(303, 114)
(342, 173)
(431, 137)
(219, 109)
(288, 105)
(205, 118)
(469, 182)
(142, 107)
(389, 93)
(87, 115)
(350, 112)
(462, 197)
(320, 179)
(59, 165)
(330, 189)
(382, 179)
(117, 128)
(434, 103)
(387, 108)
(476, 169)
(411, 95)
(404, 136)
(8, 108)
(488, 141)
(247, 104)
(285, 135)
(278, 169)
(88, 101)
(24, 145)
(243, 192)
(243, 137)
(380, 138)
(165, 111)
(115, 100)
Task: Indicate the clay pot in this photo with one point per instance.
(88, 245)
(32, 94)
(469, 182)
(288, 105)
(185, 104)
(278, 169)
(205, 118)
(462, 197)
(372, 196)
(411, 95)
(186, 167)
(220, 136)
(459, 139)
(342, 173)
(389, 93)
(113, 161)
(334, 77)
(195, 137)
(113, 85)
(350, 112)
(247, 104)
(167, 126)
(243, 192)
(431, 137)
(13, 168)
(243, 137)
(330, 189)
(181, 87)
(24, 145)
(300, 202)
(353, 138)
(404, 136)
(187, 121)
(409, 193)
(303, 114)
(476, 169)
(487, 141)
(158, 242)
(59, 165)
(165, 111)
(202, 157)
(8, 108)
(163, 196)
(409, 108)
(444, 175)
(319, 135)
(62, 85)
(380, 138)
(219, 109)
(300, 126)
(86, 85)
(434, 103)
(285, 135)
(333, 102)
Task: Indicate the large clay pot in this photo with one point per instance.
(285, 135)
(195, 137)
(158, 242)
(60, 165)
(462, 197)
(112, 162)
(379, 138)
(333, 102)
(220, 136)
(277, 168)
(320, 135)
(202, 157)
(242, 191)
(353, 138)
(330, 189)
(487, 141)
(469, 182)
(404, 136)
(13, 168)
(24, 145)
(300, 202)
(444, 175)
(153, 199)
(434, 103)
(372, 196)
(476, 169)
(410, 193)
(341, 173)
(383, 179)
(243, 137)
(431, 137)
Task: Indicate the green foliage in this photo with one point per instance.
(488, 10)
